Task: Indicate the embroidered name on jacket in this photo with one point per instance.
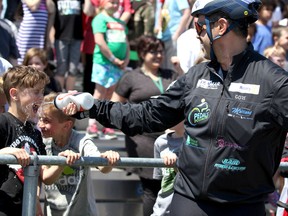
(207, 84)
(245, 88)
(231, 164)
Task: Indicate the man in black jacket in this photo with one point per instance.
(235, 111)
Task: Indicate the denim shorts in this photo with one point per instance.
(67, 56)
(106, 75)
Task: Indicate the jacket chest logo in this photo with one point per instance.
(207, 84)
(199, 114)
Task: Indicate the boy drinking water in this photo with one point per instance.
(23, 87)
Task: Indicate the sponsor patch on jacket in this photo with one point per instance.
(231, 164)
(192, 142)
(245, 88)
(207, 84)
(222, 143)
(243, 113)
(200, 114)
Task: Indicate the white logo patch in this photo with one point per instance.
(245, 88)
(207, 84)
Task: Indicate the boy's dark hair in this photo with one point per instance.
(23, 77)
(268, 3)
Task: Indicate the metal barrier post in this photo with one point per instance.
(31, 174)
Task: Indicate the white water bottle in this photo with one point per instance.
(83, 100)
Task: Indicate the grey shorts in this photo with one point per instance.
(67, 56)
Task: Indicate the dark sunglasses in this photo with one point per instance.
(200, 26)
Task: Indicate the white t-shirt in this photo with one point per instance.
(189, 49)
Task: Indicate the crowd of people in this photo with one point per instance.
(198, 83)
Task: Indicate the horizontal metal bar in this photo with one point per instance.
(89, 161)
(98, 161)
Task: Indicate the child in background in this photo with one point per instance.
(111, 56)
(263, 36)
(64, 197)
(280, 37)
(276, 54)
(23, 87)
(167, 147)
(37, 58)
(38, 16)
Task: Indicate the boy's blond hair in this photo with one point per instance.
(23, 77)
(274, 51)
(48, 108)
(278, 31)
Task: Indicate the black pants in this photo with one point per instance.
(151, 188)
(183, 206)
(88, 86)
(11, 195)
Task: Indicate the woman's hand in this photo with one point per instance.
(119, 63)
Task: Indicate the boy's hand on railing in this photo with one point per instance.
(71, 156)
(22, 156)
(169, 158)
(112, 156)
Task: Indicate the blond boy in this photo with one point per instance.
(72, 193)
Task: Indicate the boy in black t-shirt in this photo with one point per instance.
(23, 87)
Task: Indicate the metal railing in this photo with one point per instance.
(31, 172)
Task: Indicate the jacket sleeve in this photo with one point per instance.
(280, 102)
(153, 115)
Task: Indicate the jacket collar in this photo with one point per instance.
(240, 58)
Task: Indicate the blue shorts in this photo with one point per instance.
(106, 75)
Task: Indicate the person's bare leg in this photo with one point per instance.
(109, 92)
(70, 82)
(61, 80)
(99, 93)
